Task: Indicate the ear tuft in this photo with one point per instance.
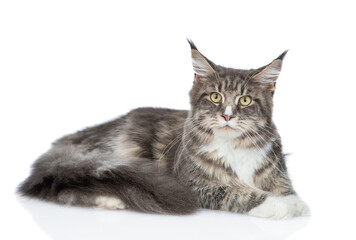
(281, 57)
(192, 45)
(201, 65)
(269, 74)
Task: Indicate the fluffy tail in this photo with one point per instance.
(67, 178)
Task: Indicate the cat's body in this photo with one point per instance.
(225, 153)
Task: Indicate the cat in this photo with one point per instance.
(224, 153)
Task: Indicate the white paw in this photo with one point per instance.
(301, 208)
(111, 203)
(280, 208)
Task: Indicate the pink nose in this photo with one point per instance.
(227, 117)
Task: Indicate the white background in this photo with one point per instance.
(65, 65)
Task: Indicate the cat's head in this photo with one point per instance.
(230, 100)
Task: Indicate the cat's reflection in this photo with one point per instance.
(61, 222)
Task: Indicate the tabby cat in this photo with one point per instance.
(224, 153)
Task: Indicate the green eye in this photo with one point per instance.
(245, 100)
(215, 97)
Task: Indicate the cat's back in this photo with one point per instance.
(155, 117)
(150, 132)
(142, 132)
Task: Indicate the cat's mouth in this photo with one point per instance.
(228, 129)
(227, 125)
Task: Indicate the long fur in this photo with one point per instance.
(66, 177)
(172, 161)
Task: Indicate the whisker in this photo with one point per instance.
(174, 141)
(266, 157)
(184, 142)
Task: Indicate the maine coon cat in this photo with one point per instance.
(224, 153)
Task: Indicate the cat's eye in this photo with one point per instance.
(215, 97)
(245, 100)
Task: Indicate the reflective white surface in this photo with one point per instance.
(59, 222)
(332, 216)
(66, 65)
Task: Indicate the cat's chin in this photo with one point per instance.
(227, 131)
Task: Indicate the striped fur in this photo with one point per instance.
(170, 161)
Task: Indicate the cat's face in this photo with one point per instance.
(232, 101)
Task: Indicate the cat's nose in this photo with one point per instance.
(227, 114)
(227, 117)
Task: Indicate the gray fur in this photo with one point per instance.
(152, 158)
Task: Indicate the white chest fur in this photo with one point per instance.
(244, 162)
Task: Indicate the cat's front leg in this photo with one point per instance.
(228, 198)
(282, 198)
(251, 201)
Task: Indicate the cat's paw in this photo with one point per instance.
(280, 208)
(110, 203)
(301, 208)
(273, 207)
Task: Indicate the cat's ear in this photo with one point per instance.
(268, 74)
(202, 66)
